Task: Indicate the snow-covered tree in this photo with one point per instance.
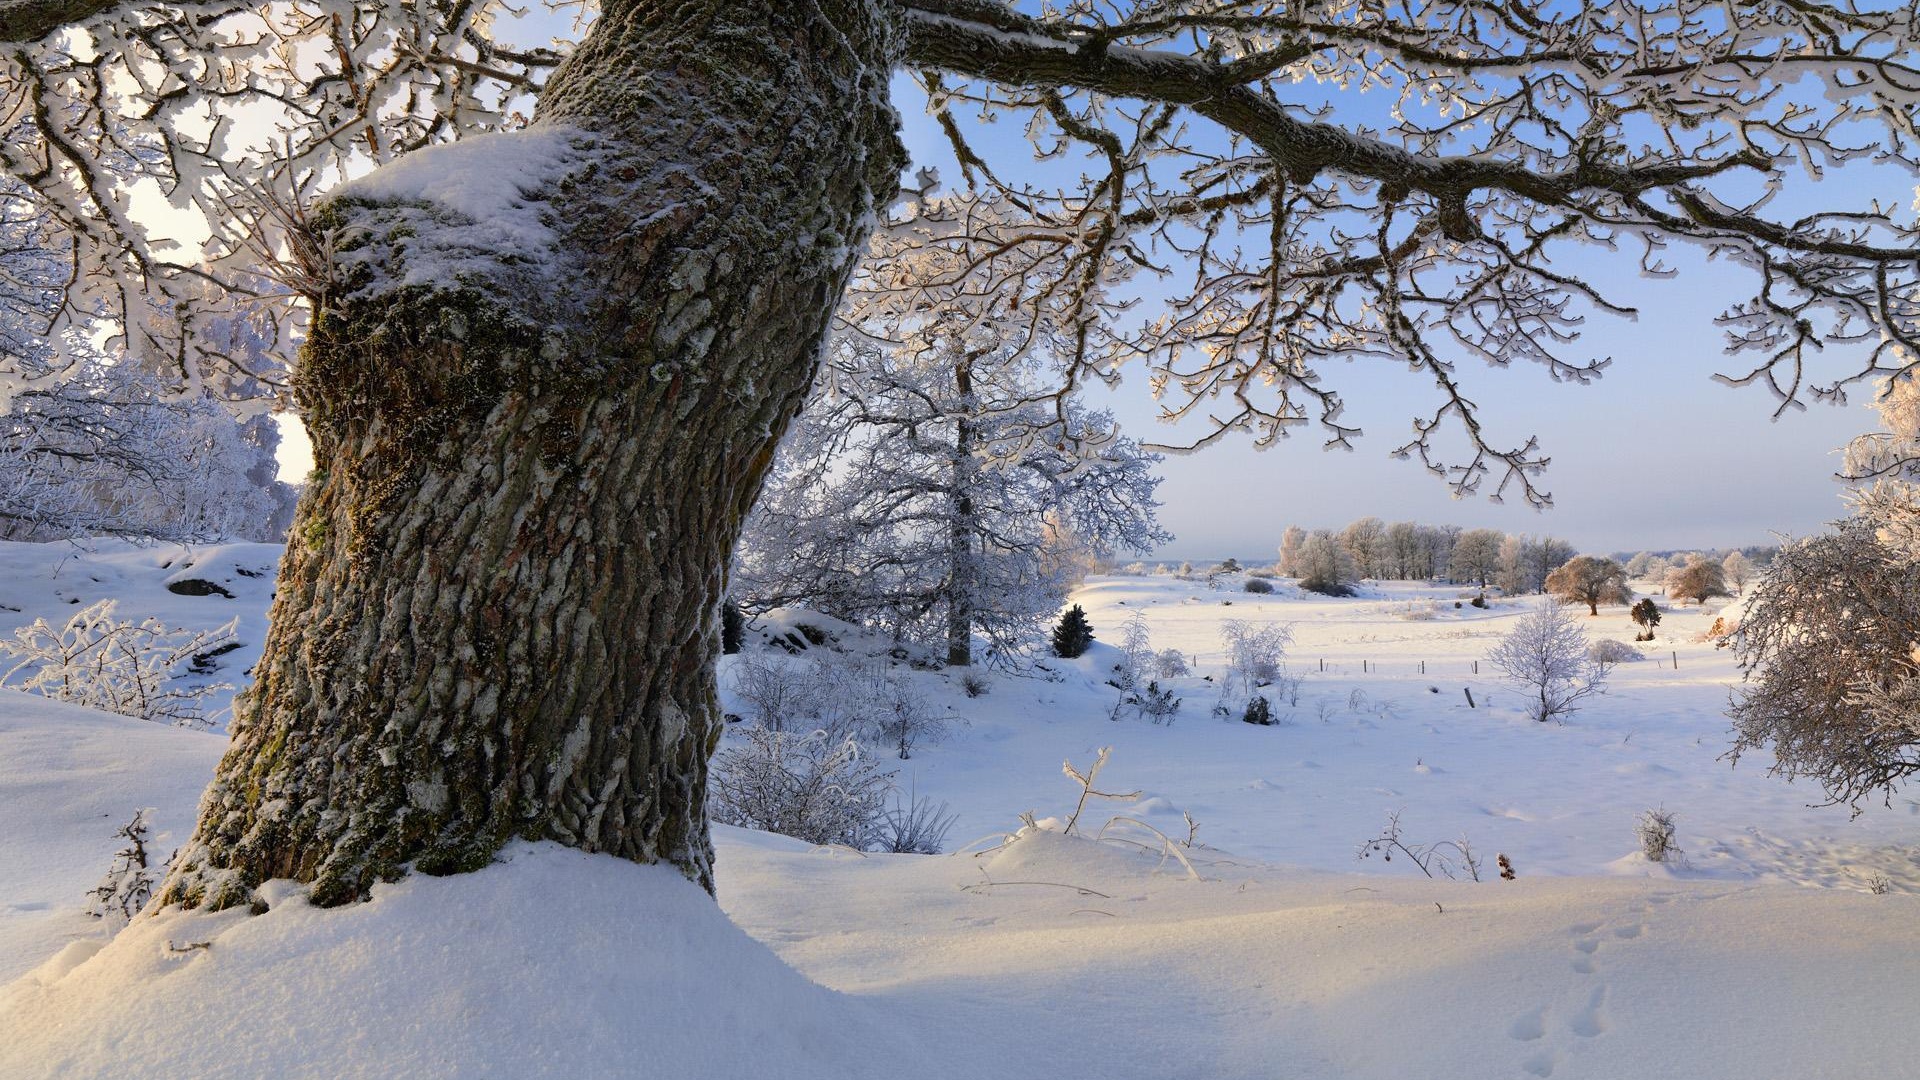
(1365, 542)
(1830, 647)
(1325, 566)
(1698, 580)
(1547, 657)
(1830, 642)
(547, 367)
(106, 452)
(1737, 570)
(1637, 566)
(1291, 541)
(930, 491)
(1591, 580)
(1525, 562)
(1475, 557)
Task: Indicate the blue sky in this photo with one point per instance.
(1655, 455)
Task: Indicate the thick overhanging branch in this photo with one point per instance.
(940, 35)
(26, 21)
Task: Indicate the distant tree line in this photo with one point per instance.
(1330, 561)
(1408, 550)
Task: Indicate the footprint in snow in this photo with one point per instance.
(1529, 1025)
(1592, 1020)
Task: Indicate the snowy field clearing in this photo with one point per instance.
(1046, 956)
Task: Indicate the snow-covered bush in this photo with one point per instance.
(1830, 649)
(1259, 712)
(901, 715)
(1419, 611)
(1156, 704)
(1253, 653)
(807, 786)
(128, 884)
(1170, 664)
(1655, 830)
(1257, 585)
(1546, 656)
(122, 667)
(974, 683)
(827, 691)
(1609, 651)
(774, 689)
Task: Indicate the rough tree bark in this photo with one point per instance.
(498, 614)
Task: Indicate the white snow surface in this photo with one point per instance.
(488, 183)
(1044, 956)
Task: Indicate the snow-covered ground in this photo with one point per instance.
(1045, 955)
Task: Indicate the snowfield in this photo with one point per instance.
(1781, 949)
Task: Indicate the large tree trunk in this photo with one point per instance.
(498, 614)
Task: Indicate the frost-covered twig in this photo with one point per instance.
(1086, 785)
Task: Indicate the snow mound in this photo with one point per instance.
(69, 777)
(550, 963)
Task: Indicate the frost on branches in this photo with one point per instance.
(1546, 657)
(1830, 644)
(122, 667)
(934, 487)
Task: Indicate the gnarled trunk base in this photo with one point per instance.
(497, 616)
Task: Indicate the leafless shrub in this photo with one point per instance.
(1086, 781)
(807, 786)
(1827, 648)
(1449, 857)
(1609, 651)
(1169, 664)
(122, 667)
(1655, 830)
(1546, 656)
(975, 683)
(129, 883)
(916, 827)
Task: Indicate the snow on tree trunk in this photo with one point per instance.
(497, 616)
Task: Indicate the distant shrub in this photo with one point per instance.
(1156, 704)
(1072, 634)
(120, 667)
(1169, 664)
(1646, 615)
(1479, 601)
(1420, 611)
(917, 828)
(1253, 652)
(1257, 585)
(809, 787)
(1655, 830)
(1609, 651)
(975, 683)
(1259, 711)
(1231, 566)
(1262, 573)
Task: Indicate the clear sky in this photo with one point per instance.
(1656, 455)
